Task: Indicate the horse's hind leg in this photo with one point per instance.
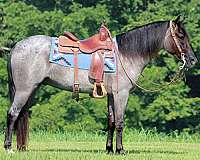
(19, 101)
(111, 123)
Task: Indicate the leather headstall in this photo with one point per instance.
(172, 30)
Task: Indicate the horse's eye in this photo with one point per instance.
(180, 36)
(182, 43)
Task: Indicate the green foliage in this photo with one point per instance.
(174, 108)
(3, 78)
(3, 93)
(172, 105)
(3, 111)
(62, 113)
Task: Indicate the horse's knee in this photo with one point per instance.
(112, 125)
(111, 121)
(119, 125)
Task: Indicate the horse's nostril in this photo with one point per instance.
(193, 61)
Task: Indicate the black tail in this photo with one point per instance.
(11, 84)
(21, 124)
(22, 129)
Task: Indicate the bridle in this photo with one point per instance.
(177, 45)
(179, 73)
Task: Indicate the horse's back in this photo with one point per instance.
(31, 43)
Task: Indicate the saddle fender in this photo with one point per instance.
(97, 67)
(96, 73)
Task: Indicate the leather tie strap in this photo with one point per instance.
(75, 94)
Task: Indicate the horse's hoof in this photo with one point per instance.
(21, 148)
(10, 151)
(109, 150)
(121, 152)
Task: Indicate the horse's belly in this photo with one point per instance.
(63, 77)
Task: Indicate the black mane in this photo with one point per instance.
(145, 40)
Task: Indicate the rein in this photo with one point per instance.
(179, 73)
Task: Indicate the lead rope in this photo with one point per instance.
(177, 77)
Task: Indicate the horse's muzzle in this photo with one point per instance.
(191, 60)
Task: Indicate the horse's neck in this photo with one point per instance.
(145, 41)
(134, 58)
(132, 66)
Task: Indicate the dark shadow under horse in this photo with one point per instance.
(29, 67)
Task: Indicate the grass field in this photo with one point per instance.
(138, 144)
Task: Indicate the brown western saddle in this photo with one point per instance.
(99, 46)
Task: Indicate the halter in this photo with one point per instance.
(177, 45)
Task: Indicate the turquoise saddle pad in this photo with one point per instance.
(84, 60)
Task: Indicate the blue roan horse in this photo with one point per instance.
(29, 67)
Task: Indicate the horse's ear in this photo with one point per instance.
(177, 20)
(183, 18)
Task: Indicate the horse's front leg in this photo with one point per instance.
(111, 123)
(120, 102)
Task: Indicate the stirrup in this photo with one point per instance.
(103, 90)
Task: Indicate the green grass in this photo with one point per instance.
(138, 144)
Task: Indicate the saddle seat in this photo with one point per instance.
(99, 41)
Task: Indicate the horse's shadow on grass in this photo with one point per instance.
(103, 151)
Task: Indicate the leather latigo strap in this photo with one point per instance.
(75, 94)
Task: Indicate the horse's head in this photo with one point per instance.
(177, 43)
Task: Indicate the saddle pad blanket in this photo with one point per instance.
(84, 60)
